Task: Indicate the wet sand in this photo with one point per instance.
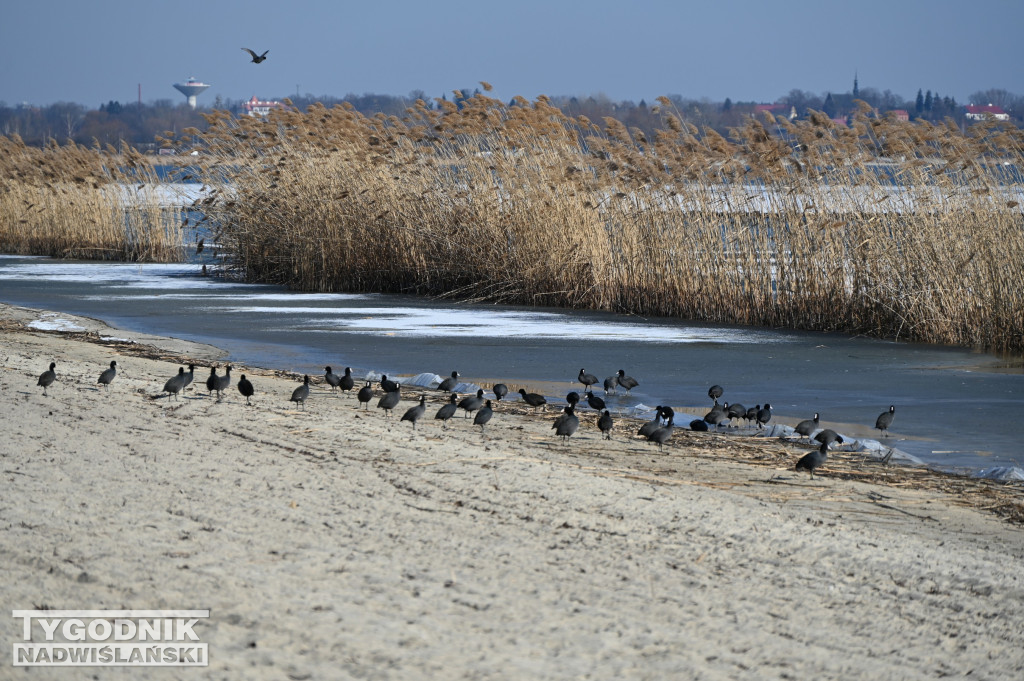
(335, 543)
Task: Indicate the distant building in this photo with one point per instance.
(776, 108)
(900, 114)
(987, 112)
(191, 88)
(261, 108)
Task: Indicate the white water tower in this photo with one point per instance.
(191, 88)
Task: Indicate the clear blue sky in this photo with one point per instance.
(93, 51)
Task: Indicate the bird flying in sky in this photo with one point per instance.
(256, 58)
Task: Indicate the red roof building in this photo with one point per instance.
(987, 112)
(258, 107)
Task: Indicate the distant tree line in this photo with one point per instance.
(117, 123)
(113, 123)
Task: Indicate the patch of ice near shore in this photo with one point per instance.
(135, 275)
(641, 410)
(870, 448)
(1005, 473)
(877, 450)
(426, 380)
(778, 430)
(416, 322)
(51, 322)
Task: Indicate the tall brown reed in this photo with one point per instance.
(894, 229)
(76, 202)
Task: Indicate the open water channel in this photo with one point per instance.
(954, 408)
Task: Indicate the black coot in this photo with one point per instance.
(174, 385)
(808, 462)
(483, 416)
(751, 414)
(211, 380)
(473, 402)
(533, 399)
(717, 415)
(595, 402)
(223, 382)
(651, 425)
(47, 378)
(884, 420)
(627, 382)
(413, 414)
(566, 424)
(389, 401)
(806, 427)
(605, 424)
(563, 416)
(448, 384)
(347, 382)
(447, 411)
(828, 436)
(364, 395)
(586, 379)
(191, 374)
(735, 412)
(108, 375)
(333, 379)
(662, 434)
(245, 387)
(301, 394)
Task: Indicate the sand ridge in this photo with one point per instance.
(335, 543)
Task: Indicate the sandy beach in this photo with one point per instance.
(333, 543)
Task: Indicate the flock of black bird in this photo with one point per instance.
(658, 430)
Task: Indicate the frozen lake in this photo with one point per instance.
(954, 408)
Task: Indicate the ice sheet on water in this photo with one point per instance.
(375, 376)
(427, 380)
(642, 410)
(1000, 473)
(777, 430)
(878, 450)
(424, 380)
(453, 321)
(150, 275)
(207, 297)
(54, 323)
(870, 448)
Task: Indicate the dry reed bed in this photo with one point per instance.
(894, 229)
(76, 202)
